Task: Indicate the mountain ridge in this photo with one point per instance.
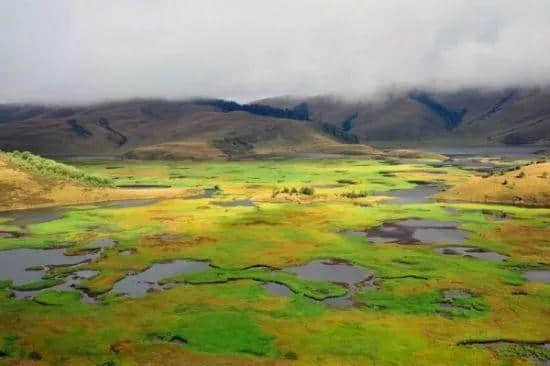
(510, 116)
(217, 128)
(191, 128)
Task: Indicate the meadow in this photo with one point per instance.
(326, 261)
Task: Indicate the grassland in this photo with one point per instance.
(225, 316)
(29, 181)
(524, 185)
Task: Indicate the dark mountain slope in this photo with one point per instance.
(472, 117)
(206, 128)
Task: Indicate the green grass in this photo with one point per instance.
(222, 332)
(424, 303)
(10, 346)
(57, 298)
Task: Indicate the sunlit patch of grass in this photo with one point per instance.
(221, 332)
(424, 303)
(57, 298)
(38, 285)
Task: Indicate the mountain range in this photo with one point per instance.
(216, 128)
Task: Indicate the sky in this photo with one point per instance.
(63, 51)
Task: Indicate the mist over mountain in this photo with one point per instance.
(206, 78)
(81, 51)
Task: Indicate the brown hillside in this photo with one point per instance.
(238, 134)
(528, 186)
(159, 129)
(25, 189)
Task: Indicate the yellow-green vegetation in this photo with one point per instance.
(29, 181)
(58, 298)
(524, 185)
(225, 314)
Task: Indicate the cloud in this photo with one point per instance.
(80, 50)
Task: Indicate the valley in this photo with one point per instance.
(277, 261)
(288, 183)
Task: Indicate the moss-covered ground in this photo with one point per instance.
(225, 316)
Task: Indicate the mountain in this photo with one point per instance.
(416, 117)
(215, 128)
(202, 128)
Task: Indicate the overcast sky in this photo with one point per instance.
(87, 50)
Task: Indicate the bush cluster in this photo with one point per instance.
(354, 194)
(307, 191)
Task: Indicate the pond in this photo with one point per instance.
(139, 284)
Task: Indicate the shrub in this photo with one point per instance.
(354, 194)
(521, 174)
(308, 191)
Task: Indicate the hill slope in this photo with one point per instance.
(155, 128)
(469, 117)
(29, 181)
(529, 185)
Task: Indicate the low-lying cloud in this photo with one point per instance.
(81, 50)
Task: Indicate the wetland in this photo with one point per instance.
(278, 262)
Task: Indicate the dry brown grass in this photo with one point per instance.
(529, 186)
(21, 190)
(178, 150)
(200, 139)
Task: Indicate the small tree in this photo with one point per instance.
(308, 191)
